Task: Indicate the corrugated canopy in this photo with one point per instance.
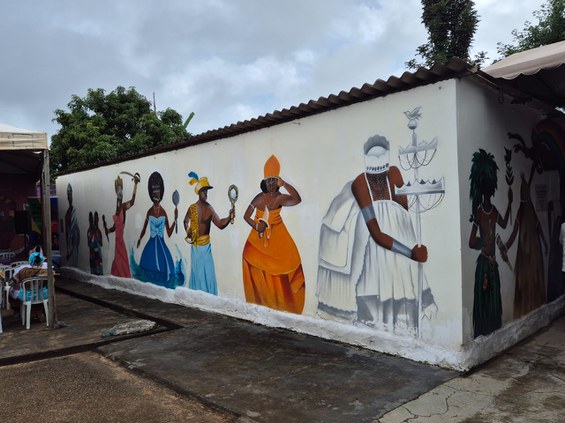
(539, 72)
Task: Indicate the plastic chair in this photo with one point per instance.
(16, 264)
(33, 291)
(7, 256)
(8, 270)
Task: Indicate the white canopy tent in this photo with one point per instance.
(12, 138)
(27, 152)
(539, 73)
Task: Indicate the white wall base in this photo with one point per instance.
(468, 356)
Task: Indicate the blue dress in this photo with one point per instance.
(156, 261)
(202, 273)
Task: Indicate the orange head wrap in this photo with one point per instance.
(272, 168)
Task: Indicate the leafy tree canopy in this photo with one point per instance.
(451, 26)
(549, 29)
(101, 127)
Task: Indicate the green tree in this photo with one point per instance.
(101, 127)
(549, 29)
(451, 26)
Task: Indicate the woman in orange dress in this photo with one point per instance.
(272, 269)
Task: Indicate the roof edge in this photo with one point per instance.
(454, 68)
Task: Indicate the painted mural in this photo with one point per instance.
(383, 247)
(95, 243)
(197, 223)
(529, 286)
(156, 264)
(546, 153)
(487, 304)
(120, 264)
(370, 258)
(272, 268)
(537, 263)
(72, 230)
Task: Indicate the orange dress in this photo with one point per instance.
(272, 269)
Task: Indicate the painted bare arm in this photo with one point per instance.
(171, 228)
(186, 222)
(143, 229)
(131, 202)
(514, 231)
(502, 222)
(106, 230)
(417, 253)
(260, 226)
(396, 180)
(475, 242)
(292, 198)
(222, 223)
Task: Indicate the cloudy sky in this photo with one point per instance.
(224, 60)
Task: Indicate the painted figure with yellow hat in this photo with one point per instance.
(272, 268)
(197, 223)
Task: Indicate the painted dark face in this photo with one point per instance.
(120, 193)
(271, 184)
(155, 187)
(489, 192)
(156, 194)
(203, 194)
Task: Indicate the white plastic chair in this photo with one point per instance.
(7, 256)
(33, 291)
(16, 264)
(8, 271)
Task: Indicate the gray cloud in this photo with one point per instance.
(226, 60)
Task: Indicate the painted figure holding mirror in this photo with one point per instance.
(197, 223)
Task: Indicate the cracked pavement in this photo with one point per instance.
(525, 384)
(214, 368)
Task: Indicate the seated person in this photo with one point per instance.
(36, 267)
(37, 249)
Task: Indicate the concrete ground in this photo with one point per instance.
(86, 387)
(204, 367)
(525, 384)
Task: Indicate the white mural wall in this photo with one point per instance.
(327, 245)
(512, 291)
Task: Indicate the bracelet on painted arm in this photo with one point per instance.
(400, 248)
(368, 213)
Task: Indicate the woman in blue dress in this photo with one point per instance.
(156, 263)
